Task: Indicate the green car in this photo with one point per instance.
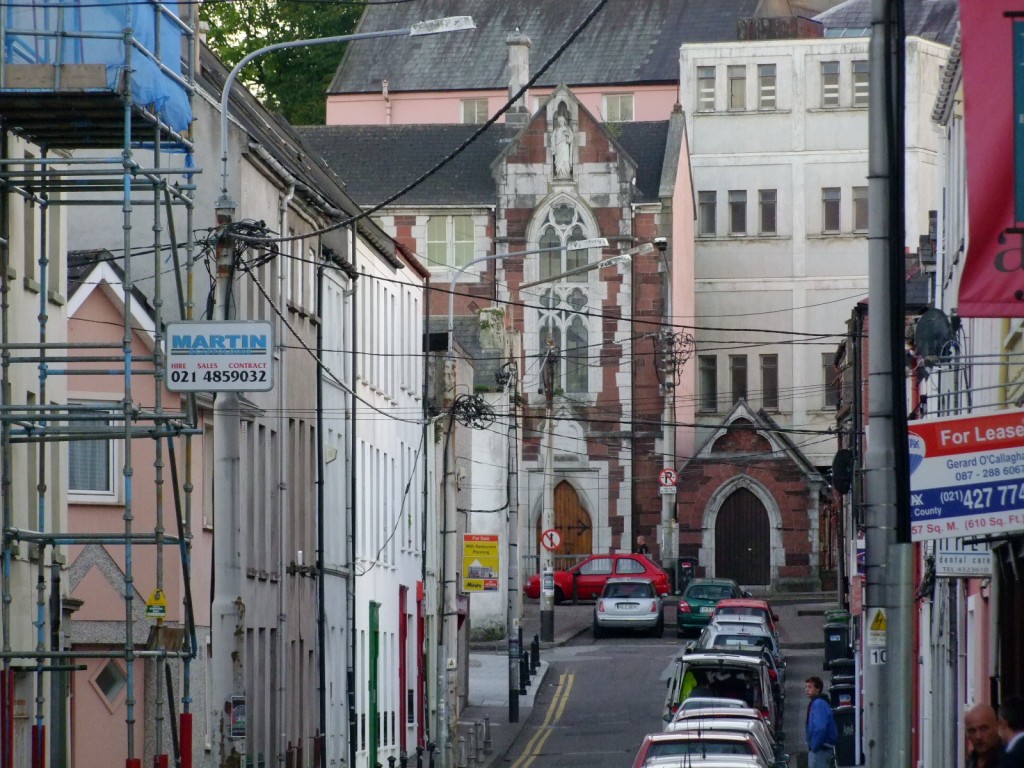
(699, 600)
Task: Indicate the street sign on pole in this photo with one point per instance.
(551, 539)
(668, 477)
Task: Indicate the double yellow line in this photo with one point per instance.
(552, 716)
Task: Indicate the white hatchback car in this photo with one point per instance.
(628, 603)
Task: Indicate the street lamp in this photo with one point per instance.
(547, 560)
(419, 29)
(511, 619)
(226, 615)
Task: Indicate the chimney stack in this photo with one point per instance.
(518, 73)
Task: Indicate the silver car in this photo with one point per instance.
(628, 603)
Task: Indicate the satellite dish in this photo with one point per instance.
(842, 470)
(932, 335)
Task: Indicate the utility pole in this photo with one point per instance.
(227, 692)
(547, 565)
(888, 557)
(671, 352)
(509, 375)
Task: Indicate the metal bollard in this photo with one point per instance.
(524, 671)
(488, 744)
(431, 749)
(419, 756)
(403, 759)
(535, 654)
(478, 726)
(471, 745)
(460, 761)
(391, 761)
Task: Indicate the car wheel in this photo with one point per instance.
(598, 631)
(559, 597)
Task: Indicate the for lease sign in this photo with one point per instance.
(967, 476)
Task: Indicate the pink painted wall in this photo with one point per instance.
(99, 319)
(99, 736)
(650, 102)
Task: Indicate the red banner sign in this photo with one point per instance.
(992, 283)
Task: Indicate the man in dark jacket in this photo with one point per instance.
(821, 726)
(1011, 729)
(982, 728)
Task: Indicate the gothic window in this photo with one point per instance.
(562, 322)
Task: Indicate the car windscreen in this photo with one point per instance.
(708, 592)
(699, 746)
(636, 591)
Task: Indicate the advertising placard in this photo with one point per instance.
(220, 357)
(481, 563)
(958, 559)
(967, 476)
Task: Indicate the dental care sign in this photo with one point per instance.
(220, 357)
(967, 476)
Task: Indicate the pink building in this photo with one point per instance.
(98, 571)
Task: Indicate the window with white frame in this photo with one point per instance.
(737, 86)
(860, 209)
(92, 463)
(830, 377)
(766, 86)
(618, 107)
(737, 212)
(474, 111)
(705, 89)
(738, 376)
(770, 382)
(767, 218)
(830, 84)
(706, 213)
(449, 241)
(861, 88)
(563, 227)
(562, 319)
(707, 366)
(831, 197)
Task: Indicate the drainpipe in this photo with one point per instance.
(321, 596)
(352, 521)
(282, 432)
(387, 101)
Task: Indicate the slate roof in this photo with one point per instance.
(628, 42)
(934, 20)
(379, 160)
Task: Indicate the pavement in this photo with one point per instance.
(487, 709)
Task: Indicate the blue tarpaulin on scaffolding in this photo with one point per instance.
(92, 32)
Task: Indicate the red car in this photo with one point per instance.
(748, 606)
(590, 575)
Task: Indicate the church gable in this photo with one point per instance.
(741, 437)
(565, 147)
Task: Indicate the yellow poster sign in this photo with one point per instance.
(481, 563)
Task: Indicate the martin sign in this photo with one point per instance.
(220, 357)
(967, 476)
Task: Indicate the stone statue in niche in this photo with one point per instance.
(562, 139)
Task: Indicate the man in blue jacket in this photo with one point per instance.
(821, 726)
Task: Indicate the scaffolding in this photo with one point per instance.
(95, 106)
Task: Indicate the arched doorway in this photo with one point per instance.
(573, 522)
(743, 539)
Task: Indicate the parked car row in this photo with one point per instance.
(725, 698)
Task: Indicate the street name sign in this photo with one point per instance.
(967, 476)
(219, 356)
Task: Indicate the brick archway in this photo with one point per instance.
(715, 505)
(742, 540)
(572, 521)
